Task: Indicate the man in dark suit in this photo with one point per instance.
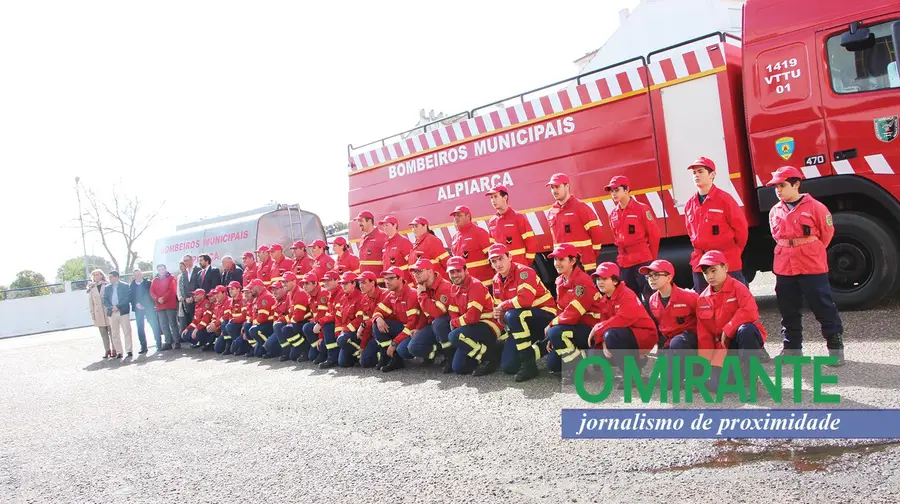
(117, 300)
(190, 281)
(231, 272)
(210, 277)
(142, 304)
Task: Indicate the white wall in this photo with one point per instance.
(67, 310)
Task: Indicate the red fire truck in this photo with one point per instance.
(813, 84)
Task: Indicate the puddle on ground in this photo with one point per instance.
(804, 458)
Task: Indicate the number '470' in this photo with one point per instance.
(781, 65)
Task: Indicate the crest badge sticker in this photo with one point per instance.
(579, 290)
(785, 146)
(886, 128)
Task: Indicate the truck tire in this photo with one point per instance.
(862, 261)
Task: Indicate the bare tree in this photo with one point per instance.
(123, 217)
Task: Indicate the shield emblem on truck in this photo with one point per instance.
(886, 128)
(785, 146)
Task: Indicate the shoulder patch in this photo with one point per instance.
(323, 299)
(579, 290)
(444, 298)
(264, 302)
(523, 275)
(329, 265)
(649, 215)
(829, 220)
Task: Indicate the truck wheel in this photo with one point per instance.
(862, 261)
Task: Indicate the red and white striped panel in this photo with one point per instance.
(875, 164)
(701, 57)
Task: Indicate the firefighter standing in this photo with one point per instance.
(473, 332)
(280, 263)
(471, 243)
(371, 245)
(802, 228)
(636, 236)
(264, 268)
(511, 228)
(322, 262)
(396, 248)
(573, 221)
(345, 257)
(427, 246)
(714, 222)
(302, 263)
(525, 309)
(251, 269)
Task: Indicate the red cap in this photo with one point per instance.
(617, 181)
(277, 285)
(497, 250)
(299, 244)
(419, 220)
(234, 285)
(198, 292)
(217, 289)
(275, 247)
(496, 189)
(365, 214)
(256, 282)
(389, 219)
(462, 209)
(289, 276)
(349, 277)
(262, 248)
(712, 258)
(331, 275)
(558, 179)
(456, 263)
(319, 243)
(245, 289)
(368, 275)
(422, 265)
(340, 241)
(784, 173)
(249, 255)
(393, 270)
(606, 270)
(311, 277)
(703, 162)
(658, 266)
(564, 250)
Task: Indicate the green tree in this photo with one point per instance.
(3, 294)
(28, 278)
(73, 269)
(144, 266)
(335, 227)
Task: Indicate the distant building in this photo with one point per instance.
(654, 24)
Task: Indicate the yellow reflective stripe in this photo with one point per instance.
(384, 308)
(516, 304)
(472, 343)
(554, 321)
(493, 325)
(596, 247)
(404, 267)
(526, 332)
(487, 283)
(591, 224)
(441, 257)
(352, 343)
(528, 235)
(517, 251)
(543, 299)
(266, 312)
(300, 306)
(331, 346)
(590, 266)
(370, 263)
(360, 312)
(523, 345)
(322, 307)
(487, 316)
(476, 304)
(529, 256)
(285, 344)
(414, 311)
(263, 336)
(476, 264)
(574, 355)
(407, 331)
(442, 306)
(351, 327)
(527, 287)
(583, 243)
(596, 315)
(577, 305)
(454, 308)
(462, 321)
(385, 344)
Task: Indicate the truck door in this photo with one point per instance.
(861, 97)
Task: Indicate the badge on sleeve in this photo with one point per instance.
(323, 300)
(649, 215)
(444, 298)
(264, 302)
(579, 290)
(523, 275)
(829, 220)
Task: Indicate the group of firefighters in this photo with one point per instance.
(484, 308)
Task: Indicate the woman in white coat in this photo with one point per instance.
(98, 312)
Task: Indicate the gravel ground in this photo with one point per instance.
(194, 427)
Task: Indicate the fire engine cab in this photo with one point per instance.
(812, 84)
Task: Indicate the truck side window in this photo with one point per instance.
(867, 70)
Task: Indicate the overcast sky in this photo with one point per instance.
(217, 107)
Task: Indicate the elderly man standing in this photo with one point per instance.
(117, 303)
(164, 290)
(231, 272)
(141, 303)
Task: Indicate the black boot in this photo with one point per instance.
(323, 356)
(396, 362)
(328, 364)
(791, 352)
(528, 369)
(448, 360)
(304, 357)
(487, 366)
(835, 345)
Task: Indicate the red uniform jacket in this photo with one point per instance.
(349, 262)
(278, 268)
(724, 312)
(635, 232)
(352, 312)
(472, 243)
(219, 311)
(202, 315)
(282, 309)
(432, 248)
(299, 305)
(302, 266)
(264, 272)
(371, 249)
(623, 310)
(396, 253)
(238, 310)
(250, 273)
(718, 224)
(578, 224)
(165, 288)
(578, 299)
(435, 302)
(369, 305)
(322, 264)
(679, 314)
(334, 307)
(513, 230)
(251, 311)
(318, 304)
(801, 236)
(522, 289)
(264, 305)
(471, 303)
(403, 307)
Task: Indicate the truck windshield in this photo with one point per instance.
(871, 69)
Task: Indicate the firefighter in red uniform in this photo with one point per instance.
(511, 228)
(323, 342)
(471, 243)
(261, 327)
(434, 293)
(473, 331)
(396, 319)
(322, 262)
(232, 320)
(573, 221)
(525, 308)
(714, 222)
(291, 310)
(636, 236)
(371, 245)
(195, 333)
(675, 311)
(625, 329)
(352, 315)
(302, 263)
(802, 228)
(264, 268)
(579, 304)
(727, 317)
(396, 248)
(428, 246)
(251, 269)
(280, 314)
(243, 344)
(345, 258)
(362, 344)
(280, 263)
(317, 308)
(220, 310)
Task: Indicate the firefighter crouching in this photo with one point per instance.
(195, 333)
(261, 326)
(232, 320)
(291, 309)
(473, 332)
(396, 319)
(363, 343)
(221, 315)
(525, 309)
(317, 307)
(433, 293)
(323, 343)
(351, 320)
(675, 311)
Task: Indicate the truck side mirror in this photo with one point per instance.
(858, 38)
